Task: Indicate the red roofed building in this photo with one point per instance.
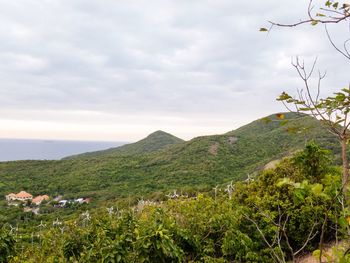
(38, 200)
(21, 196)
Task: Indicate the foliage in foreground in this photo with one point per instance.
(283, 213)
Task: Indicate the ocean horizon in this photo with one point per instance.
(36, 149)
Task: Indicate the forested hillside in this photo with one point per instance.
(282, 214)
(275, 216)
(200, 163)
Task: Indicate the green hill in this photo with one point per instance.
(202, 162)
(153, 142)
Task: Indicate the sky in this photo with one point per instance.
(115, 70)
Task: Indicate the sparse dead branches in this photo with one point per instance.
(344, 52)
(281, 234)
(332, 14)
(279, 258)
(306, 100)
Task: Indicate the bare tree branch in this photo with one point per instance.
(346, 53)
(278, 258)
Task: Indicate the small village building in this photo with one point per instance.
(10, 197)
(39, 199)
(62, 203)
(21, 196)
(79, 200)
(87, 200)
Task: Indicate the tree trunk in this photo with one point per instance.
(345, 167)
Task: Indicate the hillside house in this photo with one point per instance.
(79, 200)
(62, 203)
(21, 196)
(10, 197)
(87, 200)
(39, 199)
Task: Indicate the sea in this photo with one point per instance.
(24, 149)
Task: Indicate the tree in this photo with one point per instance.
(7, 245)
(289, 208)
(313, 161)
(333, 111)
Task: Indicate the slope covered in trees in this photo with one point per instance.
(283, 213)
(200, 163)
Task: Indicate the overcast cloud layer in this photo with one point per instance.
(118, 70)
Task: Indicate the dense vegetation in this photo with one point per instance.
(283, 213)
(268, 218)
(201, 163)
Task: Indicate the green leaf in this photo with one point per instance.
(284, 181)
(263, 29)
(314, 22)
(342, 222)
(299, 194)
(284, 96)
(317, 189)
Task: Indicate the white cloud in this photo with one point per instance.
(187, 59)
(22, 62)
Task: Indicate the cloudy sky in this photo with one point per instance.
(119, 70)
